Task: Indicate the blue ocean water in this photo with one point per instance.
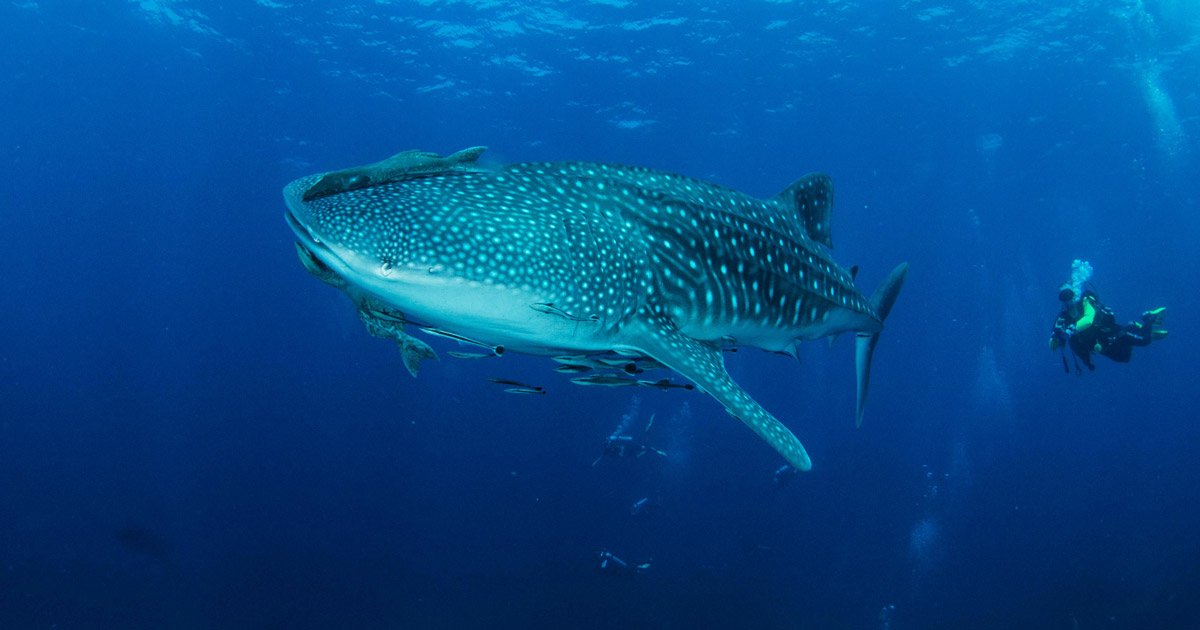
(194, 432)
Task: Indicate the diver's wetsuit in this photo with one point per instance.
(1096, 324)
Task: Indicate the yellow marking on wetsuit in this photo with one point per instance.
(1089, 314)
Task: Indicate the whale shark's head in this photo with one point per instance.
(431, 247)
(347, 235)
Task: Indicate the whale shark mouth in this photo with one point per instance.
(300, 230)
(315, 252)
(314, 262)
(307, 239)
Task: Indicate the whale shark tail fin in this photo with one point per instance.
(881, 301)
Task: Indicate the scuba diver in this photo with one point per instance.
(620, 445)
(646, 506)
(783, 476)
(1087, 326)
(612, 565)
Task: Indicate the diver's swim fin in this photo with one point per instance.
(1155, 318)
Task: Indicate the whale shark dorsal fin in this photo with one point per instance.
(702, 363)
(811, 197)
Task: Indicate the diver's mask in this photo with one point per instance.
(1066, 294)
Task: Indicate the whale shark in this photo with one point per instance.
(589, 260)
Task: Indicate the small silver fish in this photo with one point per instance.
(551, 309)
(470, 355)
(504, 381)
(628, 366)
(496, 350)
(665, 384)
(524, 390)
(604, 380)
(572, 369)
(380, 314)
(646, 364)
(584, 361)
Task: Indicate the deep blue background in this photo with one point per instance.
(196, 433)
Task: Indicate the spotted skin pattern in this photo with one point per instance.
(580, 258)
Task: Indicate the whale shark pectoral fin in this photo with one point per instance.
(413, 350)
(702, 363)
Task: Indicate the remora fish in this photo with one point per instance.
(471, 355)
(516, 384)
(572, 369)
(673, 268)
(604, 380)
(524, 390)
(665, 384)
(403, 165)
